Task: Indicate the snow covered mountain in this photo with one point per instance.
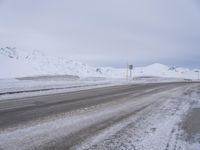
(19, 63)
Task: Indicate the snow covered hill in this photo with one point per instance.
(19, 63)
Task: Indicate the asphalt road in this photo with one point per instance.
(16, 112)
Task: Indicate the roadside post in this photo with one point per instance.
(130, 69)
(127, 72)
(197, 71)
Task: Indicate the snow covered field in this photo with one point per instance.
(20, 63)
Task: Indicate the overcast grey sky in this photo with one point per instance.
(106, 32)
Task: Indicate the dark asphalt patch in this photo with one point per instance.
(192, 124)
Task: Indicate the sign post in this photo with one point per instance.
(197, 71)
(130, 68)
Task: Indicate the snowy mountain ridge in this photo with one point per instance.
(19, 63)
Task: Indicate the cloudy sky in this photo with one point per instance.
(106, 32)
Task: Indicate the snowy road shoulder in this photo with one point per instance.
(13, 88)
(29, 86)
